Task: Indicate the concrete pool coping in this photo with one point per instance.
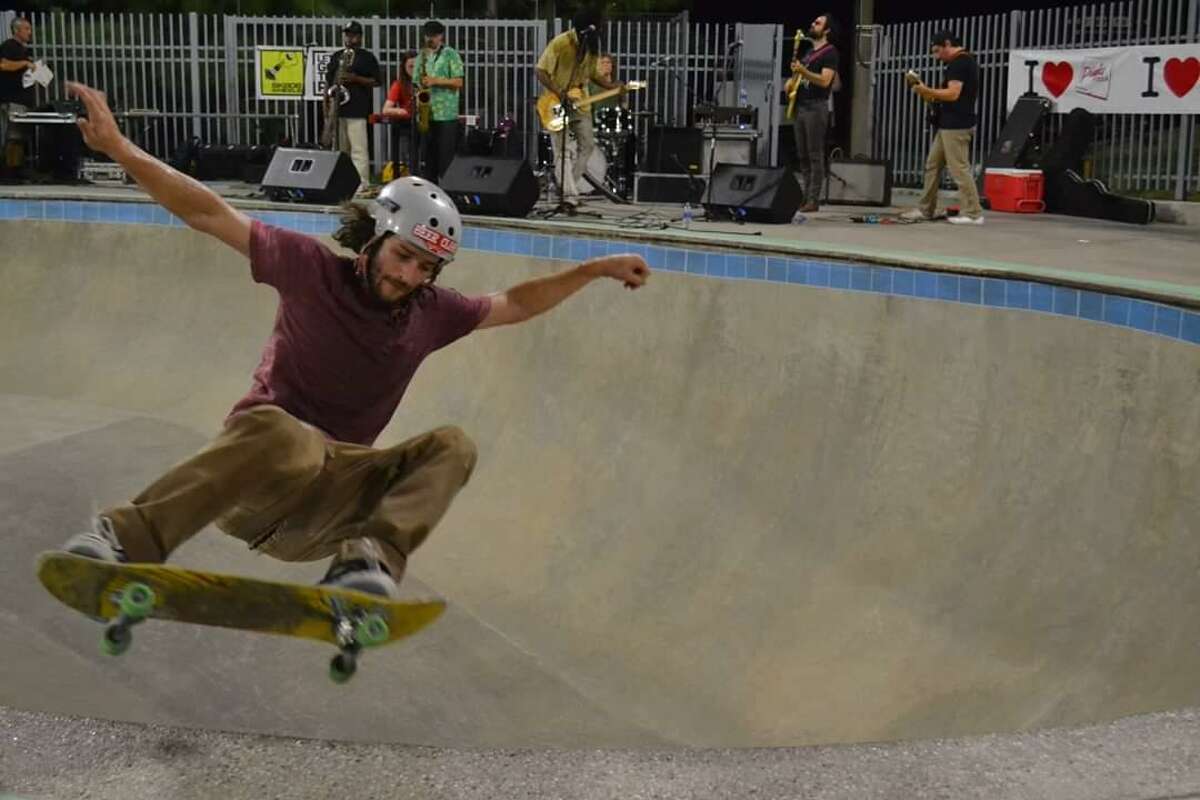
(791, 240)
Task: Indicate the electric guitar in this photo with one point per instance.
(554, 116)
(931, 110)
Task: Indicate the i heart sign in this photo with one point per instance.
(1181, 75)
(1057, 77)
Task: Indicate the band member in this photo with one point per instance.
(817, 73)
(359, 78)
(954, 105)
(439, 71)
(16, 58)
(607, 67)
(398, 109)
(570, 61)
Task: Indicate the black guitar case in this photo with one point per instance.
(1068, 193)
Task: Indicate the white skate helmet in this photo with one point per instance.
(420, 213)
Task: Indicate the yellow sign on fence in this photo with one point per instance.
(280, 73)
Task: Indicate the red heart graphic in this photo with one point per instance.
(1057, 77)
(1181, 75)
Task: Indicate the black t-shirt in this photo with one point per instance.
(825, 57)
(359, 106)
(11, 90)
(960, 114)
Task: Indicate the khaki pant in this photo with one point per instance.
(282, 487)
(352, 139)
(579, 145)
(951, 149)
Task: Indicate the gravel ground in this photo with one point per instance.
(1153, 757)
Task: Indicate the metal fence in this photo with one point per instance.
(1131, 152)
(174, 77)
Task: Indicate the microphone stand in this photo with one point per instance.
(711, 128)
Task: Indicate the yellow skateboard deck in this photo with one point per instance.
(126, 594)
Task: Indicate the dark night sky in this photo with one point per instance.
(886, 11)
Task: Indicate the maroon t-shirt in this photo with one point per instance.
(334, 360)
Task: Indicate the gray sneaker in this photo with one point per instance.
(361, 576)
(100, 542)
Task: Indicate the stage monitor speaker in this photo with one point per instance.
(675, 151)
(752, 194)
(310, 176)
(859, 182)
(491, 186)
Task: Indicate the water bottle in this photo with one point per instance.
(687, 215)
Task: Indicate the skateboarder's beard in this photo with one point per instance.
(371, 278)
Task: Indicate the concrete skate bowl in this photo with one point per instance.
(715, 512)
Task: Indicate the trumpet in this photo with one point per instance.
(801, 46)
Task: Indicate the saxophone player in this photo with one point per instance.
(814, 75)
(359, 78)
(440, 73)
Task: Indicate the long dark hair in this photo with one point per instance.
(404, 77)
(357, 233)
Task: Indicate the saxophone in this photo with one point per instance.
(424, 99)
(801, 46)
(336, 96)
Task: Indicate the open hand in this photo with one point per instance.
(629, 269)
(99, 130)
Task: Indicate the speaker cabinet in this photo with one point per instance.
(491, 186)
(310, 176)
(676, 151)
(752, 194)
(859, 182)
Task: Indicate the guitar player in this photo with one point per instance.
(571, 61)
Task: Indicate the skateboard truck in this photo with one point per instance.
(354, 630)
(134, 603)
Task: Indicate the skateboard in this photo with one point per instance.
(125, 595)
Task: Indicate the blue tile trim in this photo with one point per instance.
(1138, 315)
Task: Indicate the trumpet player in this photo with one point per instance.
(357, 78)
(438, 77)
(814, 75)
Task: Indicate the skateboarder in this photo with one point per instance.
(293, 472)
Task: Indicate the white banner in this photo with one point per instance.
(315, 66)
(1139, 79)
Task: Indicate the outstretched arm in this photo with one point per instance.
(193, 202)
(527, 300)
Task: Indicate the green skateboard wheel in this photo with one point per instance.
(371, 631)
(136, 600)
(116, 640)
(342, 667)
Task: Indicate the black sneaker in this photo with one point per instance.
(361, 576)
(100, 543)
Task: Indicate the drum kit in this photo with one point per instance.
(614, 157)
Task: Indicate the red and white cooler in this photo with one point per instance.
(1021, 191)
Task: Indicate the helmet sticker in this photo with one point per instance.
(436, 242)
